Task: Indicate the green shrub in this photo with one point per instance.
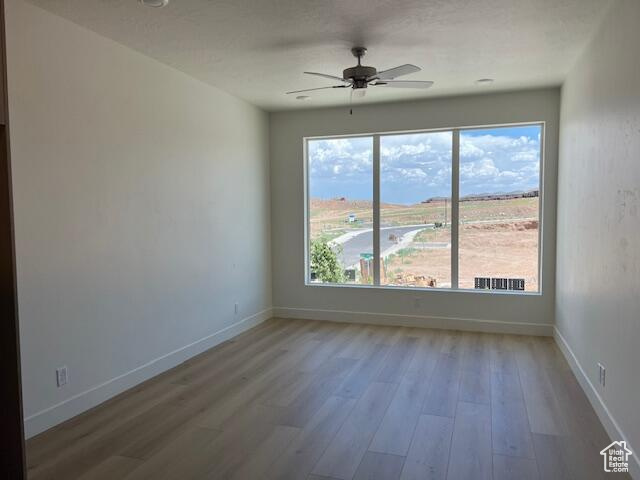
(325, 263)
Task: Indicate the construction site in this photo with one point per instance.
(498, 238)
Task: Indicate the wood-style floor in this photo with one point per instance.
(317, 400)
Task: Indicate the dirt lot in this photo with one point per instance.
(503, 241)
(329, 217)
(486, 250)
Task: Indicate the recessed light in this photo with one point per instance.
(154, 3)
(484, 81)
(303, 97)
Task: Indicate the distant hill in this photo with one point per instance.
(345, 204)
(500, 196)
(489, 196)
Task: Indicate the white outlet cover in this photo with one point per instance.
(602, 372)
(62, 376)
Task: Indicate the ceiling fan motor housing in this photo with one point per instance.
(358, 75)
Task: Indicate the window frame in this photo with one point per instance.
(455, 204)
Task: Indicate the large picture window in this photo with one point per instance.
(454, 209)
(415, 209)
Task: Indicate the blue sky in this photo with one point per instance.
(414, 167)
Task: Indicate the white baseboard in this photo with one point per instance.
(447, 323)
(610, 424)
(81, 402)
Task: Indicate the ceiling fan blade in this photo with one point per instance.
(395, 72)
(403, 84)
(320, 88)
(330, 77)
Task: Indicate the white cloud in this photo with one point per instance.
(413, 173)
(344, 157)
(481, 168)
(498, 163)
(470, 150)
(417, 166)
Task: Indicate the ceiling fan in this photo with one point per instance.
(360, 77)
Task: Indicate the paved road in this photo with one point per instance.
(363, 243)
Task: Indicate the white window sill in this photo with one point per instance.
(426, 289)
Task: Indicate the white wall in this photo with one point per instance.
(598, 266)
(141, 212)
(437, 308)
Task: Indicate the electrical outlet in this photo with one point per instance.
(602, 374)
(62, 376)
(235, 308)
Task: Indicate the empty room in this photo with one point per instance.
(320, 239)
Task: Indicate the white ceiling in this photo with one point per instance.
(258, 49)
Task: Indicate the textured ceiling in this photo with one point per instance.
(258, 49)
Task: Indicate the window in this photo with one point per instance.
(455, 209)
(499, 208)
(341, 210)
(415, 209)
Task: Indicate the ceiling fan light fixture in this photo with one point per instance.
(154, 3)
(360, 77)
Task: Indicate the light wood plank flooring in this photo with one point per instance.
(294, 399)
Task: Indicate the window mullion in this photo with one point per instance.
(455, 206)
(376, 209)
